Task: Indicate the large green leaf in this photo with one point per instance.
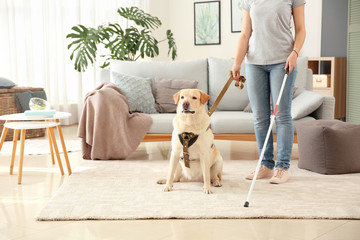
(140, 17)
(148, 45)
(172, 44)
(125, 44)
(85, 45)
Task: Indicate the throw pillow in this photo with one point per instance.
(6, 83)
(22, 99)
(38, 94)
(164, 91)
(306, 103)
(137, 90)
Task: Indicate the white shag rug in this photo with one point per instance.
(110, 190)
(40, 146)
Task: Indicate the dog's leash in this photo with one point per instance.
(238, 83)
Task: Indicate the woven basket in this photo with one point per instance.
(8, 106)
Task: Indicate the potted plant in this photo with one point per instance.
(130, 43)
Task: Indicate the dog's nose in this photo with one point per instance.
(186, 105)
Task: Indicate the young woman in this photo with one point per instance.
(267, 41)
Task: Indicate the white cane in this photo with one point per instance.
(266, 141)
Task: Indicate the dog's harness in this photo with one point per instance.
(187, 139)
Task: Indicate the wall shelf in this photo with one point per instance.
(336, 68)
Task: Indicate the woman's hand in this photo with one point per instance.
(236, 71)
(291, 62)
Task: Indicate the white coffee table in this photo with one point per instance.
(20, 122)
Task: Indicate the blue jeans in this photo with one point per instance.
(263, 82)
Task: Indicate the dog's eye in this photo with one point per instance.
(182, 97)
(194, 98)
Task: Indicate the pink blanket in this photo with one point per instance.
(107, 129)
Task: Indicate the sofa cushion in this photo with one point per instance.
(165, 90)
(232, 122)
(305, 103)
(302, 75)
(137, 91)
(194, 70)
(234, 99)
(162, 123)
(239, 122)
(329, 146)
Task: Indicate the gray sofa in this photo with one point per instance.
(229, 121)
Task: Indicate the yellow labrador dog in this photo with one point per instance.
(199, 160)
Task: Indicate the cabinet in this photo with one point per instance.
(335, 69)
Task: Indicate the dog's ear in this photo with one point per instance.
(177, 97)
(203, 97)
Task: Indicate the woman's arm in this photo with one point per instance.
(299, 21)
(243, 44)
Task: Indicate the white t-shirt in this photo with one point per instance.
(271, 40)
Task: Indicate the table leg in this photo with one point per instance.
(64, 147)
(51, 146)
(16, 135)
(22, 143)
(53, 140)
(3, 135)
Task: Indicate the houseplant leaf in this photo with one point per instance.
(85, 45)
(148, 44)
(140, 17)
(172, 44)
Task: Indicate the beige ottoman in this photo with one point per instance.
(329, 146)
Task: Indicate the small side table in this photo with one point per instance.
(20, 122)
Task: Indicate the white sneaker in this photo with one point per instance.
(280, 176)
(264, 172)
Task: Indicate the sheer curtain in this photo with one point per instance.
(33, 46)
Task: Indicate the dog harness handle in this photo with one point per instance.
(238, 83)
(187, 139)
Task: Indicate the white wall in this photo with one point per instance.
(182, 22)
(178, 15)
(160, 9)
(313, 16)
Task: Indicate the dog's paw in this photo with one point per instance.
(208, 190)
(167, 188)
(161, 181)
(216, 183)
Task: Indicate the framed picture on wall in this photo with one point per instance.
(207, 23)
(236, 16)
